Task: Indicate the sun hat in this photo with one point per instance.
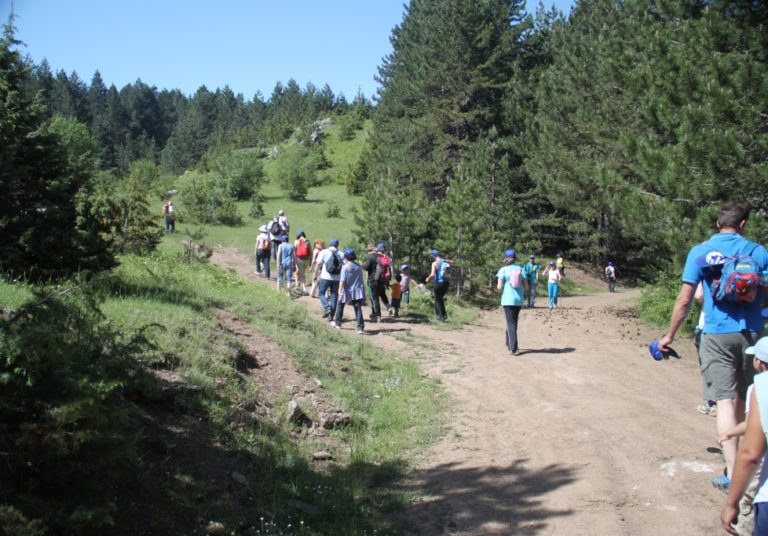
(263, 229)
(280, 212)
(658, 354)
(403, 267)
(510, 254)
(433, 253)
(334, 242)
(759, 350)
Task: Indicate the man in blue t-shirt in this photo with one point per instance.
(729, 327)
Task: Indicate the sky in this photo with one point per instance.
(249, 45)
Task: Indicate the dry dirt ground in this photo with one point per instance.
(582, 433)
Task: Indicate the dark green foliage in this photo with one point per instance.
(63, 420)
(205, 200)
(47, 225)
(296, 170)
(240, 171)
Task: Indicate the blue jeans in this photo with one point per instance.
(552, 289)
(333, 286)
(358, 305)
(284, 273)
(532, 294)
(262, 260)
(761, 518)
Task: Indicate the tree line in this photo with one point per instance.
(613, 134)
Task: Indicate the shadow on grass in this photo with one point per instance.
(190, 471)
(501, 500)
(125, 288)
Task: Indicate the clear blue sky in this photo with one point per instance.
(246, 44)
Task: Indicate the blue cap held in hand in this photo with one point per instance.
(658, 354)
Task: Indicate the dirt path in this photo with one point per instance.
(583, 433)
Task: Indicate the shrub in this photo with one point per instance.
(657, 299)
(332, 209)
(63, 418)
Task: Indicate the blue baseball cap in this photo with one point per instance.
(381, 245)
(713, 258)
(404, 266)
(334, 242)
(433, 253)
(510, 254)
(658, 354)
(349, 252)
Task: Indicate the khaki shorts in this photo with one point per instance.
(726, 369)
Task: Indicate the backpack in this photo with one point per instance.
(515, 278)
(333, 263)
(165, 209)
(287, 254)
(274, 228)
(443, 272)
(303, 250)
(265, 244)
(383, 269)
(739, 280)
(609, 273)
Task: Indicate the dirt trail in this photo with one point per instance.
(582, 433)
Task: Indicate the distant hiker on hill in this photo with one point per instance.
(553, 283)
(303, 253)
(286, 262)
(170, 222)
(328, 274)
(376, 285)
(440, 274)
(610, 276)
(282, 220)
(560, 263)
(531, 271)
(509, 280)
(732, 317)
(317, 247)
(275, 232)
(263, 247)
(351, 290)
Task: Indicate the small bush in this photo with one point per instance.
(332, 209)
(657, 300)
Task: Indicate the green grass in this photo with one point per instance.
(394, 410)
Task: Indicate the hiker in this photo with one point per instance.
(405, 284)
(731, 325)
(440, 274)
(560, 263)
(282, 221)
(553, 283)
(747, 504)
(317, 247)
(383, 275)
(376, 286)
(708, 407)
(509, 280)
(286, 262)
(396, 293)
(746, 519)
(303, 253)
(610, 275)
(351, 290)
(170, 222)
(328, 274)
(263, 247)
(275, 232)
(531, 271)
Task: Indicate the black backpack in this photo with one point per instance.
(333, 264)
(274, 228)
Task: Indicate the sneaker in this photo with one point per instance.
(722, 482)
(360, 332)
(336, 325)
(326, 314)
(390, 310)
(706, 409)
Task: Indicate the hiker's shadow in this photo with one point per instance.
(566, 350)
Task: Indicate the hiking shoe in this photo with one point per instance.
(706, 409)
(360, 332)
(722, 482)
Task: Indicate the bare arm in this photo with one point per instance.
(737, 431)
(747, 459)
(432, 273)
(679, 312)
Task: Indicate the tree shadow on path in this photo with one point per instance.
(566, 350)
(488, 500)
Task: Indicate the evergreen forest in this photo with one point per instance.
(614, 133)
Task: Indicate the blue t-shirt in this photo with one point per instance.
(509, 295)
(726, 317)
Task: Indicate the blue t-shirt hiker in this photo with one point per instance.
(509, 280)
(730, 327)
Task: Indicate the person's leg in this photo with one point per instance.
(441, 289)
(406, 298)
(333, 286)
(258, 264)
(726, 419)
(381, 288)
(555, 292)
(322, 287)
(375, 308)
(339, 314)
(358, 305)
(532, 296)
(508, 331)
(513, 341)
(550, 294)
